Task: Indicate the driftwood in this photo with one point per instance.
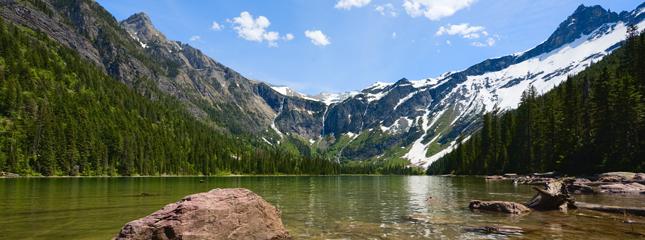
(612, 209)
(554, 197)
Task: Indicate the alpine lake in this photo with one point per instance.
(313, 207)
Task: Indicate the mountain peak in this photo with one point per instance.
(140, 27)
(139, 17)
(584, 20)
(402, 81)
(589, 12)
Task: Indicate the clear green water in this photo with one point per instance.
(339, 207)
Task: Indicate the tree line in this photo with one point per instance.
(60, 115)
(593, 122)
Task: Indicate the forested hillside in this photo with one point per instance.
(60, 115)
(593, 122)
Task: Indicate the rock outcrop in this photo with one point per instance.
(218, 214)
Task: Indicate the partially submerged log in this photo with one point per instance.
(554, 197)
(612, 209)
(499, 206)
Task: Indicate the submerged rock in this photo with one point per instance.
(503, 230)
(499, 206)
(417, 218)
(218, 214)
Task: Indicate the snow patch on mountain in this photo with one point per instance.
(331, 98)
(378, 85)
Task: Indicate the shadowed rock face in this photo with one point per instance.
(235, 213)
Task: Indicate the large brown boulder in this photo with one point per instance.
(235, 213)
(499, 206)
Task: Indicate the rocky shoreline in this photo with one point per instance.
(557, 192)
(607, 183)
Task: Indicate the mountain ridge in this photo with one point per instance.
(410, 120)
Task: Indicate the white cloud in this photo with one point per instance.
(348, 4)
(317, 37)
(489, 42)
(393, 35)
(435, 9)
(215, 26)
(251, 29)
(255, 30)
(288, 37)
(464, 29)
(448, 42)
(386, 9)
(195, 38)
(468, 31)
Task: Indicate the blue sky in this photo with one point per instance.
(342, 45)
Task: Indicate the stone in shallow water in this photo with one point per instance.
(499, 206)
(218, 214)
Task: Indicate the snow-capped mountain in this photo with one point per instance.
(419, 120)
